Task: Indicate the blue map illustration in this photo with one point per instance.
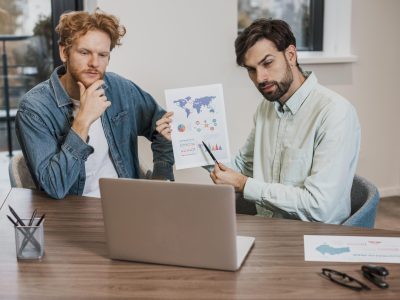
(190, 104)
(332, 250)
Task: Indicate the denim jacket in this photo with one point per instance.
(56, 155)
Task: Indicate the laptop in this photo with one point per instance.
(171, 223)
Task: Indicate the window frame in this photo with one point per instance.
(316, 25)
(58, 7)
(337, 36)
(316, 30)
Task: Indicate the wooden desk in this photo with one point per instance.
(75, 265)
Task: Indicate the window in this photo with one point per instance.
(329, 30)
(25, 38)
(59, 7)
(305, 17)
(28, 45)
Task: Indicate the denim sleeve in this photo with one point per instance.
(147, 112)
(55, 162)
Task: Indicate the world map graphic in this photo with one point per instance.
(191, 105)
(323, 249)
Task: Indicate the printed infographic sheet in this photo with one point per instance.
(352, 248)
(199, 115)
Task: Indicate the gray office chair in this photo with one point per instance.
(19, 173)
(145, 171)
(364, 203)
(244, 206)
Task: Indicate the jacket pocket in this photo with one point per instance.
(119, 117)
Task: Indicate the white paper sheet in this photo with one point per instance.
(199, 115)
(352, 248)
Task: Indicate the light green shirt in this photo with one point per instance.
(301, 158)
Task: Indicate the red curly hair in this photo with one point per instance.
(75, 24)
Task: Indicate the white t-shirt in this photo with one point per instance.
(99, 164)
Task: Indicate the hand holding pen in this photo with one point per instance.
(224, 175)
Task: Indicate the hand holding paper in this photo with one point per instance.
(164, 125)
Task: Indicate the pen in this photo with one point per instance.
(25, 242)
(27, 235)
(209, 152)
(25, 231)
(12, 221)
(16, 216)
(33, 217)
(40, 220)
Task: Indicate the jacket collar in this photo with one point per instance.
(60, 93)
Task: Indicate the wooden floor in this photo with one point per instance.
(388, 216)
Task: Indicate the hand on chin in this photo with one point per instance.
(88, 82)
(88, 79)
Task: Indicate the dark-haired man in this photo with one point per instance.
(82, 124)
(300, 157)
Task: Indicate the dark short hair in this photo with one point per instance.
(277, 31)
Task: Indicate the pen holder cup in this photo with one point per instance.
(29, 240)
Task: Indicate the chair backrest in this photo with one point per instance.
(364, 203)
(21, 177)
(144, 169)
(19, 173)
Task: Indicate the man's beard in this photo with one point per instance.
(281, 87)
(76, 75)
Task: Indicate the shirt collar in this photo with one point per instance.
(296, 100)
(60, 93)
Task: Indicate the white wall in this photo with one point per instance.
(178, 43)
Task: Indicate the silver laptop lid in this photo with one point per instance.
(170, 223)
